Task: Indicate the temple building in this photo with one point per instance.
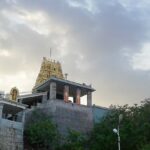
(12, 117)
(56, 96)
(51, 85)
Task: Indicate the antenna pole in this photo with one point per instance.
(50, 52)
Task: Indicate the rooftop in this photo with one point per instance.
(45, 85)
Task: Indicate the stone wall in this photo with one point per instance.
(11, 135)
(67, 115)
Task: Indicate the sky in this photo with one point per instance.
(98, 42)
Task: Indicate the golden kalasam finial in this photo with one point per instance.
(14, 93)
(48, 69)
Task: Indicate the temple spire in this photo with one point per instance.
(49, 68)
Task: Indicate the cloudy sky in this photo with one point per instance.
(99, 42)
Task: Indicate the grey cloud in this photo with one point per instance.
(99, 37)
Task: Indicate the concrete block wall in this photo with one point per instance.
(11, 135)
(67, 115)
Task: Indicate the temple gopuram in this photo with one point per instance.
(48, 69)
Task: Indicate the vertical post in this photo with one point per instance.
(44, 98)
(52, 91)
(117, 131)
(118, 138)
(23, 116)
(1, 110)
(19, 116)
(66, 93)
(74, 99)
(89, 98)
(78, 95)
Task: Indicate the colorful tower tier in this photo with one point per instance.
(49, 68)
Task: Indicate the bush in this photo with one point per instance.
(41, 133)
(146, 147)
(74, 141)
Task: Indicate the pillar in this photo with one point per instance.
(19, 116)
(66, 93)
(89, 99)
(52, 91)
(44, 98)
(23, 116)
(1, 110)
(74, 99)
(78, 95)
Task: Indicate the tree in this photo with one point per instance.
(41, 133)
(146, 147)
(74, 141)
(134, 128)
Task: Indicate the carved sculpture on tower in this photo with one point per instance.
(49, 68)
(14, 93)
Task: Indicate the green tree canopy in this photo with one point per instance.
(74, 141)
(134, 128)
(41, 133)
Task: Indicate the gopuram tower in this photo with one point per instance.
(49, 68)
